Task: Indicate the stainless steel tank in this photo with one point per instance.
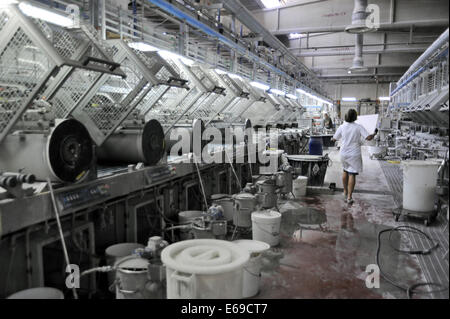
(134, 145)
(244, 206)
(65, 153)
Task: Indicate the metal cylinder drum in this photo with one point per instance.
(132, 278)
(178, 132)
(116, 252)
(64, 155)
(244, 205)
(146, 145)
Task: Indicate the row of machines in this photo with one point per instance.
(89, 131)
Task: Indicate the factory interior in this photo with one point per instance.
(235, 149)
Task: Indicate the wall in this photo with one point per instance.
(361, 91)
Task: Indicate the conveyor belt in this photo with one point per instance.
(434, 266)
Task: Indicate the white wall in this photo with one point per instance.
(360, 91)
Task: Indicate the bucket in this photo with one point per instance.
(252, 269)
(38, 293)
(131, 274)
(266, 227)
(315, 145)
(299, 186)
(227, 204)
(204, 269)
(116, 252)
(187, 217)
(419, 185)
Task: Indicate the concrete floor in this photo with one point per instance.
(327, 244)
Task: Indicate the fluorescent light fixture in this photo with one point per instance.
(234, 76)
(42, 14)
(259, 85)
(277, 92)
(384, 98)
(173, 56)
(294, 36)
(141, 46)
(349, 99)
(270, 4)
(219, 71)
(291, 96)
(306, 93)
(5, 3)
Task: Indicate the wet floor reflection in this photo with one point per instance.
(328, 250)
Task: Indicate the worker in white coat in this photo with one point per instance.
(352, 135)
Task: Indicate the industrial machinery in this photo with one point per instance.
(64, 152)
(95, 110)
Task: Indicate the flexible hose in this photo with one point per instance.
(411, 288)
(97, 269)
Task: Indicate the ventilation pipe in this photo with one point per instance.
(359, 26)
(358, 62)
(359, 16)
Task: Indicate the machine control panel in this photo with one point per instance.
(159, 173)
(83, 196)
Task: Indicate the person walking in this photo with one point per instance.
(352, 136)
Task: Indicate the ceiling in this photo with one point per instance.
(407, 28)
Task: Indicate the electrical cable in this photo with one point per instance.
(234, 172)
(409, 289)
(201, 181)
(61, 234)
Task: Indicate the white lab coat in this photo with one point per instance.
(352, 135)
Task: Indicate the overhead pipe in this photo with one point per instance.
(358, 61)
(359, 16)
(171, 9)
(443, 38)
(236, 7)
(383, 26)
(340, 53)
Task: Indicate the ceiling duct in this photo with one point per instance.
(358, 62)
(359, 19)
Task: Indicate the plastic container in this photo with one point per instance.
(299, 186)
(419, 185)
(204, 269)
(252, 270)
(312, 166)
(38, 293)
(116, 252)
(266, 227)
(187, 217)
(315, 145)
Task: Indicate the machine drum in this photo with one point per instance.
(70, 151)
(153, 143)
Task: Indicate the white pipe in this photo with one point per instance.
(427, 54)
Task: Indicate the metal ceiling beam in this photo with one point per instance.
(339, 53)
(350, 46)
(373, 66)
(383, 26)
(209, 31)
(250, 22)
(353, 75)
